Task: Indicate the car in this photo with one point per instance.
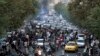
(71, 46)
(40, 42)
(2, 41)
(37, 26)
(81, 42)
(81, 36)
(47, 25)
(40, 22)
(35, 21)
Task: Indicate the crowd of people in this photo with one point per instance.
(23, 39)
(19, 39)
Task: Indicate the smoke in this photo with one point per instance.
(43, 7)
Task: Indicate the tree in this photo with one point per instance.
(93, 22)
(12, 13)
(86, 13)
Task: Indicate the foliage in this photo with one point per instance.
(12, 13)
(86, 13)
(93, 22)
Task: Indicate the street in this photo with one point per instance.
(46, 35)
(58, 53)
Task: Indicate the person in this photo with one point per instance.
(57, 44)
(26, 44)
(52, 46)
(4, 48)
(2, 53)
(31, 39)
(99, 44)
(8, 48)
(91, 51)
(8, 43)
(26, 41)
(48, 35)
(76, 32)
(92, 43)
(38, 51)
(48, 51)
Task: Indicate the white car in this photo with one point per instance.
(35, 21)
(81, 42)
(48, 25)
(40, 42)
(37, 26)
(81, 36)
(40, 22)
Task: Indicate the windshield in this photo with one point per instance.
(40, 40)
(70, 44)
(81, 35)
(80, 41)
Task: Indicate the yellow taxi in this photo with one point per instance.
(71, 46)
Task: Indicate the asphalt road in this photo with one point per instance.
(58, 53)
